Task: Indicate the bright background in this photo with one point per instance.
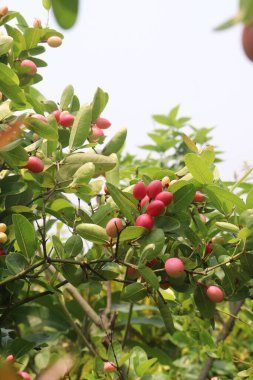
(150, 55)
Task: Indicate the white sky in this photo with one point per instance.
(150, 55)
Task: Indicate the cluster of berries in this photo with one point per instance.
(97, 129)
(3, 237)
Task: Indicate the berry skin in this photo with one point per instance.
(247, 41)
(155, 208)
(174, 267)
(30, 64)
(198, 197)
(3, 238)
(37, 23)
(132, 273)
(4, 10)
(113, 227)
(40, 117)
(2, 252)
(106, 191)
(54, 41)
(35, 165)
(3, 227)
(24, 375)
(215, 294)
(109, 367)
(154, 188)
(9, 359)
(144, 201)
(66, 119)
(209, 248)
(165, 182)
(95, 133)
(165, 196)
(102, 123)
(57, 115)
(152, 263)
(164, 284)
(139, 190)
(145, 220)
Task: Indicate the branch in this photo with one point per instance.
(128, 325)
(226, 330)
(22, 274)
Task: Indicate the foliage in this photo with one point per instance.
(65, 285)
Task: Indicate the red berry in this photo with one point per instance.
(152, 263)
(174, 267)
(144, 201)
(164, 284)
(154, 188)
(215, 294)
(198, 197)
(109, 367)
(57, 114)
(247, 41)
(209, 248)
(66, 119)
(155, 208)
(24, 375)
(9, 359)
(106, 191)
(35, 164)
(165, 196)
(132, 273)
(2, 252)
(139, 190)
(54, 41)
(95, 133)
(40, 117)
(145, 220)
(102, 123)
(114, 226)
(31, 65)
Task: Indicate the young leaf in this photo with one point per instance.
(9, 85)
(99, 102)
(81, 127)
(66, 97)
(116, 143)
(65, 12)
(25, 235)
(198, 168)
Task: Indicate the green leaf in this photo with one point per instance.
(5, 43)
(43, 129)
(249, 200)
(66, 97)
(113, 176)
(65, 12)
(20, 347)
(131, 233)
(19, 43)
(58, 246)
(144, 367)
(47, 4)
(198, 168)
(128, 208)
(165, 314)
(223, 199)
(98, 104)
(92, 232)
(9, 85)
(229, 23)
(83, 175)
(5, 110)
(157, 238)
(25, 235)
(73, 246)
(134, 292)
(167, 223)
(32, 37)
(15, 157)
(116, 143)
(190, 144)
(183, 197)
(15, 262)
(81, 127)
(204, 305)
(149, 276)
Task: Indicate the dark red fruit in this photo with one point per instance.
(2, 252)
(106, 190)
(35, 164)
(209, 248)
(152, 263)
(57, 115)
(165, 196)
(139, 190)
(155, 208)
(154, 188)
(198, 197)
(164, 284)
(132, 273)
(247, 41)
(145, 221)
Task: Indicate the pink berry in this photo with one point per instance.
(209, 248)
(145, 220)
(144, 201)
(198, 197)
(57, 115)
(4, 10)
(155, 208)
(109, 367)
(215, 294)
(165, 196)
(40, 117)
(54, 41)
(152, 263)
(102, 123)
(24, 375)
(9, 359)
(139, 190)
(66, 119)
(29, 64)
(2, 252)
(132, 273)
(114, 226)
(154, 188)
(35, 164)
(95, 133)
(174, 267)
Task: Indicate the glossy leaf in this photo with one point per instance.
(65, 12)
(81, 127)
(131, 233)
(25, 235)
(199, 169)
(98, 104)
(134, 292)
(73, 246)
(125, 205)
(66, 97)
(165, 314)
(204, 305)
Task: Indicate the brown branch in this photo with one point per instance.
(226, 330)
